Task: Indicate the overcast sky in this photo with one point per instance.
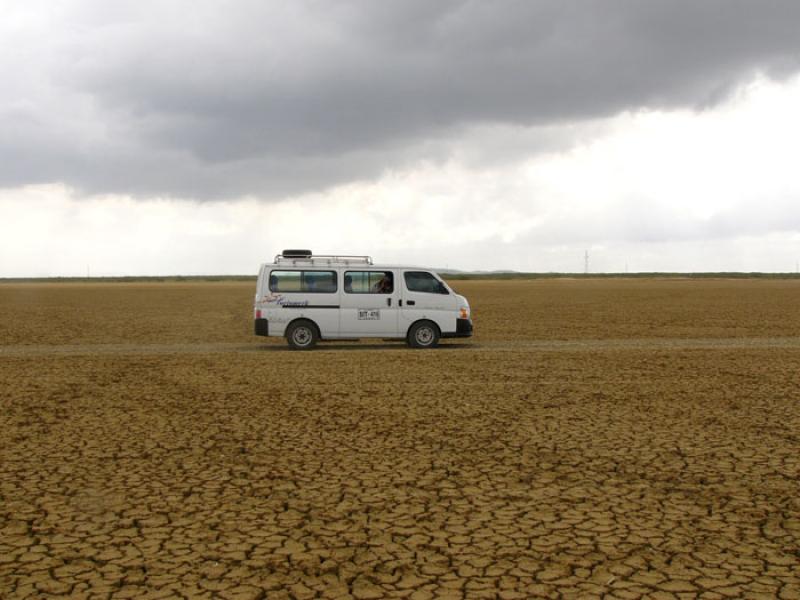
(202, 137)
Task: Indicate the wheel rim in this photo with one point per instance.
(302, 336)
(424, 336)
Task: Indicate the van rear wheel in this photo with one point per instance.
(423, 334)
(302, 335)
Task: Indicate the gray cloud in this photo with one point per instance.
(213, 100)
(637, 221)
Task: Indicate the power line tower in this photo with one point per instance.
(586, 262)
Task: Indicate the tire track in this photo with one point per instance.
(593, 345)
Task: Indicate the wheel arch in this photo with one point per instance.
(299, 320)
(423, 320)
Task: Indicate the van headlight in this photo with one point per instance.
(463, 313)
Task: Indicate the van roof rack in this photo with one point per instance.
(306, 257)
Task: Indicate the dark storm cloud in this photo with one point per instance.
(216, 99)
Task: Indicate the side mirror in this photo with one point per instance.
(443, 288)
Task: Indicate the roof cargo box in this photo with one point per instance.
(296, 253)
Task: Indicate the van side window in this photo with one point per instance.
(306, 282)
(421, 281)
(368, 282)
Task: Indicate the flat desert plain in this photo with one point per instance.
(596, 438)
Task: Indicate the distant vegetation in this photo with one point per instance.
(449, 276)
(654, 275)
(132, 279)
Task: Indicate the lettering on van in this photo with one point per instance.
(369, 314)
(281, 300)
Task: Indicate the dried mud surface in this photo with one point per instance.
(618, 439)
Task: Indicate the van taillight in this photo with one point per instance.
(258, 313)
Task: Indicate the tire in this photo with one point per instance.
(302, 335)
(423, 334)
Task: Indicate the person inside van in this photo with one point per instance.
(348, 284)
(384, 285)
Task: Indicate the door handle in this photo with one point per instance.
(388, 302)
(410, 302)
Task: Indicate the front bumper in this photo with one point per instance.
(463, 329)
(262, 327)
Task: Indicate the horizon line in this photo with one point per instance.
(445, 273)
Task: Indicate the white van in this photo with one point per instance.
(305, 298)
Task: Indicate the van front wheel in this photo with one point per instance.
(424, 334)
(302, 335)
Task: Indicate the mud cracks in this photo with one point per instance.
(499, 470)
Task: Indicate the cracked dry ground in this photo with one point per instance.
(489, 469)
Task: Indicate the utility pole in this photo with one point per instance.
(586, 263)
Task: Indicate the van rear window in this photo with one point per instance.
(305, 282)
